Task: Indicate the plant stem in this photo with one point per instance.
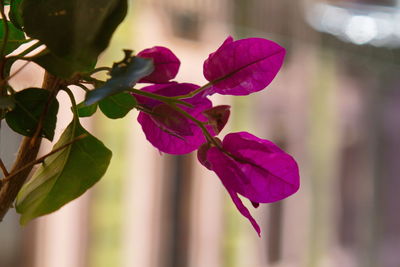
(3, 168)
(195, 92)
(16, 72)
(99, 69)
(27, 153)
(164, 99)
(206, 133)
(82, 86)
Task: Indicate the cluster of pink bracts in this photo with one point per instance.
(247, 165)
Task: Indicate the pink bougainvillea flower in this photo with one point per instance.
(177, 135)
(166, 64)
(252, 167)
(244, 66)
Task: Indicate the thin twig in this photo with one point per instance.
(3, 168)
(17, 71)
(82, 86)
(206, 133)
(165, 99)
(99, 69)
(195, 92)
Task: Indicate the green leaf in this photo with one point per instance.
(75, 31)
(117, 106)
(15, 13)
(86, 111)
(124, 75)
(15, 37)
(30, 104)
(65, 175)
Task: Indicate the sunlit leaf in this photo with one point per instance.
(64, 175)
(15, 37)
(15, 13)
(86, 111)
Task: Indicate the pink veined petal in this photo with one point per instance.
(252, 167)
(244, 211)
(231, 178)
(202, 155)
(270, 166)
(227, 41)
(166, 64)
(168, 140)
(274, 178)
(244, 66)
(170, 120)
(227, 170)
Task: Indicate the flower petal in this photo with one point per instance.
(270, 167)
(166, 64)
(244, 211)
(244, 66)
(169, 141)
(170, 120)
(262, 174)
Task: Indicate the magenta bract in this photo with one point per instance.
(254, 168)
(166, 64)
(171, 121)
(244, 66)
(218, 117)
(174, 139)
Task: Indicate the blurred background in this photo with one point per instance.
(334, 106)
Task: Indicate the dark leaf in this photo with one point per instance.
(117, 106)
(75, 31)
(123, 76)
(7, 102)
(56, 65)
(64, 175)
(30, 104)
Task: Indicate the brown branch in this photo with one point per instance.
(3, 168)
(27, 153)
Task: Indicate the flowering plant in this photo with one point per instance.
(177, 118)
(246, 165)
